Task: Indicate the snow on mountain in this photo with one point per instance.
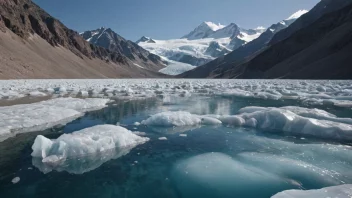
(202, 31)
(175, 68)
(213, 26)
(260, 29)
(135, 55)
(227, 31)
(207, 42)
(145, 39)
(191, 52)
(297, 14)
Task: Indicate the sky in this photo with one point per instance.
(168, 19)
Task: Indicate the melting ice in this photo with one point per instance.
(176, 138)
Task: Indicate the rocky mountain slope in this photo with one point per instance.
(34, 44)
(320, 50)
(108, 39)
(219, 67)
(323, 7)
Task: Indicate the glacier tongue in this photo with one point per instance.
(83, 150)
(43, 115)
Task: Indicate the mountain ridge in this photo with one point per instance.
(22, 20)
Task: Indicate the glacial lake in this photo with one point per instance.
(190, 160)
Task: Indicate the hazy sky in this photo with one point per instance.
(166, 19)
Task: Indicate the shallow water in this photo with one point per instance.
(210, 161)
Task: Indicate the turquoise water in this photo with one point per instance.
(211, 161)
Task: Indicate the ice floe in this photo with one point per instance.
(342, 191)
(84, 150)
(43, 115)
(292, 120)
(324, 92)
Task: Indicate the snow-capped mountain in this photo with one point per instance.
(108, 39)
(209, 41)
(228, 31)
(145, 39)
(244, 45)
(204, 30)
(205, 43)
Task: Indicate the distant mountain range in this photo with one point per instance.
(315, 46)
(209, 41)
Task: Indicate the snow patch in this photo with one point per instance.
(297, 14)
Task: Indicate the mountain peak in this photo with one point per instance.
(144, 39)
(213, 26)
(297, 14)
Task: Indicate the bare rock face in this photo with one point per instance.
(2, 25)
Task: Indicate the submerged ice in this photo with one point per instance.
(343, 191)
(83, 150)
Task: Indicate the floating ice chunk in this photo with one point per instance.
(237, 93)
(219, 175)
(136, 124)
(170, 119)
(83, 150)
(10, 95)
(15, 180)
(183, 135)
(287, 121)
(209, 120)
(317, 114)
(88, 104)
(43, 115)
(342, 191)
(162, 138)
(83, 93)
(37, 94)
(233, 120)
(179, 119)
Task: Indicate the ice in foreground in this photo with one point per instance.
(43, 115)
(343, 191)
(83, 150)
